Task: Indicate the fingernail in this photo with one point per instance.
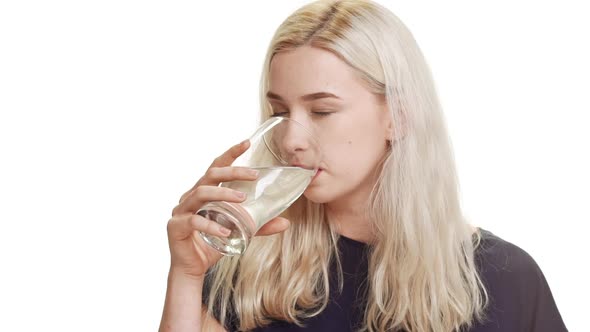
(253, 172)
(239, 194)
(224, 231)
(244, 142)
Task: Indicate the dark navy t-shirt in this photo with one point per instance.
(520, 298)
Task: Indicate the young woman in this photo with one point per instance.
(378, 241)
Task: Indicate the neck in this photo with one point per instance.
(348, 219)
(354, 224)
(347, 215)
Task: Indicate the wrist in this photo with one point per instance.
(180, 274)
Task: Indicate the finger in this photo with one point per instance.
(229, 156)
(215, 175)
(226, 159)
(204, 194)
(182, 198)
(274, 226)
(182, 226)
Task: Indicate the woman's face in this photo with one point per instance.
(317, 89)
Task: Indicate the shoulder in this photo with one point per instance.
(506, 268)
(518, 291)
(496, 256)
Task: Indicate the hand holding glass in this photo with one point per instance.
(287, 156)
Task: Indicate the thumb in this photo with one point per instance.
(276, 225)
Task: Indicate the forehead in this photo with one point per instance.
(307, 70)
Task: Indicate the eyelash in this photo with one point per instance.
(321, 114)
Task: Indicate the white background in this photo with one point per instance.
(110, 110)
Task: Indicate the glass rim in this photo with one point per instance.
(271, 122)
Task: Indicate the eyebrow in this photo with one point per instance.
(308, 97)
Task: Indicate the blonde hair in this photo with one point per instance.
(422, 275)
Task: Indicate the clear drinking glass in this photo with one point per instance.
(287, 156)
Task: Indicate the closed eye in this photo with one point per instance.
(320, 114)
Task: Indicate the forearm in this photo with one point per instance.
(182, 308)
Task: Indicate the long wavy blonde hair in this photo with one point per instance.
(422, 275)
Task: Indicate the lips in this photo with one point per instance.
(305, 167)
(316, 174)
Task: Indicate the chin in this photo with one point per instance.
(316, 195)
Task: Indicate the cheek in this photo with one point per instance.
(359, 156)
(351, 146)
(353, 153)
(351, 159)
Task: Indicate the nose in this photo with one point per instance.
(295, 139)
